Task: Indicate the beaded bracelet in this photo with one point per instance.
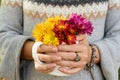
(90, 65)
(93, 57)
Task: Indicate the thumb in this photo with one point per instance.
(80, 37)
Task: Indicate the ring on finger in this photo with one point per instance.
(77, 58)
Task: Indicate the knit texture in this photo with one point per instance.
(18, 18)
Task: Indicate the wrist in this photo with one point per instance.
(26, 52)
(94, 57)
(97, 60)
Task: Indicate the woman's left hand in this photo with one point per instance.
(69, 52)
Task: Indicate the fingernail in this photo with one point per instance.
(54, 65)
(64, 68)
(61, 69)
(54, 49)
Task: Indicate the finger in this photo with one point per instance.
(45, 67)
(65, 55)
(47, 48)
(73, 47)
(49, 58)
(72, 55)
(70, 71)
(65, 47)
(72, 64)
(80, 37)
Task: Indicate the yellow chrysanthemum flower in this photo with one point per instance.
(55, 20)
(44, 31)
(50, 40)
(38, 32)
(49, 26)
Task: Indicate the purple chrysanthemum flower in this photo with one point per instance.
(81, 24)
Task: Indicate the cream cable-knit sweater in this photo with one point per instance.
(18, 17)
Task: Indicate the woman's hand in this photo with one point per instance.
(68, 54)
(48, 59)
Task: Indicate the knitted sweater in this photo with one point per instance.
(17, 20)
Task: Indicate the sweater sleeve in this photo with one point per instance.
(11, 38)
(109, 46)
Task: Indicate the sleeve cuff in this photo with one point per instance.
(10, 64)
(107, 63)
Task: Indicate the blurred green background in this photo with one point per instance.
(118, 71)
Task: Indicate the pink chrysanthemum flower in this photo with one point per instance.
(83, 25)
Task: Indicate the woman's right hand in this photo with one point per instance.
(49, 59)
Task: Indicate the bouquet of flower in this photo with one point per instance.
(56, 30)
